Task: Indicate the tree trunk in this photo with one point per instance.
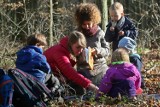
(83, 1)
(51, 24)
(104, 10)
(103, 6)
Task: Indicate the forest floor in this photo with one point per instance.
(151, 92)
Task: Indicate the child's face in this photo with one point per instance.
(115, 15)
(41, 46)
(87, 24)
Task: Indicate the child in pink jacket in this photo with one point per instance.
(121, 78)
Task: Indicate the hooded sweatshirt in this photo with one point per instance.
(30, 59)
(124, 71)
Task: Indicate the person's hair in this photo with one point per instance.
(116, 6)
(120, 54)
(35, 39)
(76, 36)
(87, 12)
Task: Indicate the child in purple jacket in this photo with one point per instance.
(121, 78)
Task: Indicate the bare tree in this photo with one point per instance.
(104, 14)
(51, 24)
(20, 18)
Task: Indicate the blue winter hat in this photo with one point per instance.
(128, 43)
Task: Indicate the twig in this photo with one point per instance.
(151, 69)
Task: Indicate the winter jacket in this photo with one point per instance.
(136, 60)
(98, 42)
(30, 59)
(61, 60)
(124, 24)
(125, 71)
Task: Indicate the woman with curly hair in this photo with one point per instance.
(88, 17)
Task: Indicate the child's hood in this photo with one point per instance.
(126, 69)
(27, 53)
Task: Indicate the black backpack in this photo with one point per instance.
(29, 91)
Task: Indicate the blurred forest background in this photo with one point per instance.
(55, 18)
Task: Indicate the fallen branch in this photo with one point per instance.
(151, 69)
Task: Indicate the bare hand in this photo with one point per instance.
(112, 28)
(121, 33)
(93, 87)
(94, 51)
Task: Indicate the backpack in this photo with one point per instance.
(6, 89)
(29, 91)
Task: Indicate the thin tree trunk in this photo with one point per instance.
(83, 1)
(104, 14)
(103, 6)
(51, 24)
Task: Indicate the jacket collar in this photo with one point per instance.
(120, 23)
(37, 49)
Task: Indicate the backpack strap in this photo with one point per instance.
(10, 97)
(4, 83)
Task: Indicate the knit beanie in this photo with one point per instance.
(128, 43)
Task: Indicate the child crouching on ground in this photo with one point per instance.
(130, 45)
(121, 78)
(30, 59)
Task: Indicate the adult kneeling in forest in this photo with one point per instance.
(62, 59)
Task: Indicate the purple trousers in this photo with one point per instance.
(123, 87)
